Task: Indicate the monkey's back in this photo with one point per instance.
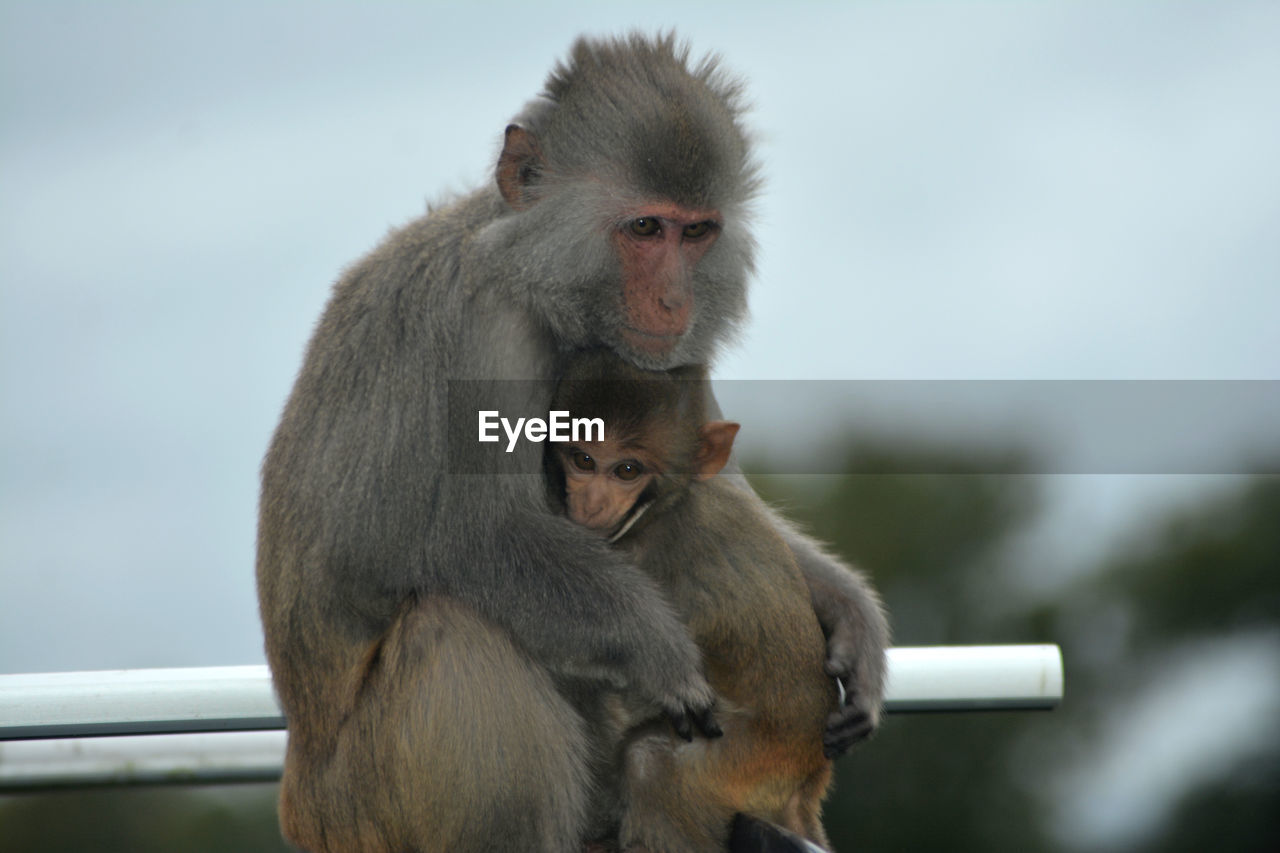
(740, 592)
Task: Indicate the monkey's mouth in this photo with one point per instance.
(650, 342)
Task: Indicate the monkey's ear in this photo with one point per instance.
(519, 166)
(715, 442)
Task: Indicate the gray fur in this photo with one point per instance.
(423, 627)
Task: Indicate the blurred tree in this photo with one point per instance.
(1212, 570)
(1205, 574)
(223, 819)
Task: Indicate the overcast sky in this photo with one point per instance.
(956, 191)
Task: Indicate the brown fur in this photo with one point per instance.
(423, 711)
(740, 592)
(736, 586)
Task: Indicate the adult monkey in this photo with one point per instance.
(433, 637)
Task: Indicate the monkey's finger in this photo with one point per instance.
(845, 728)
(707, 724)
(681, 723)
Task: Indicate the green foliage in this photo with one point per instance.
(222, 819)
(1226, 553)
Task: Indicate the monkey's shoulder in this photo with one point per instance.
(434, 241)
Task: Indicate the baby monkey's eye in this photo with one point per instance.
(582, 461)
(628, 470)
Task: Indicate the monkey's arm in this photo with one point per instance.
(582, 609)
(857, 631)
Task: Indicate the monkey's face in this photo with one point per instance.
(602, 483)
(629, 223)
(659, 247)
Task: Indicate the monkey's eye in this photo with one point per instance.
(582, 461)
(645, 226)
(697, 230)
(628, 470)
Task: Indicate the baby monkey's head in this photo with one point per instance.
(657, 440)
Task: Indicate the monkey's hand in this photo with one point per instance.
(686, 719)
(691, 707)
(677, 686)
(852, 721)
(856, 660)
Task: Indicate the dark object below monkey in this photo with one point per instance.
(749, 835)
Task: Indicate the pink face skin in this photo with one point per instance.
(660, 246)
(602, 483)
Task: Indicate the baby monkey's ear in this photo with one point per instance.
(715, 442)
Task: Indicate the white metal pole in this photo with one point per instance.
(185, 759)
(137, 701)
(198, 725)
(974, 678)
(240, 698)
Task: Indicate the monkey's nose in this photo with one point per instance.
(676, 293)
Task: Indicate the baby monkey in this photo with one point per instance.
(650, 486)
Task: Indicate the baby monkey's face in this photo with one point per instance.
(603, 480)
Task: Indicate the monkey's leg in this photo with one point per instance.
(685, 797)
(803, 813)
(670, 806)
(457, 743)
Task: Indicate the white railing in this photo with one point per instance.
(218, 724)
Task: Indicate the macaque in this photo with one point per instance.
(439, 642)
(650, 488)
